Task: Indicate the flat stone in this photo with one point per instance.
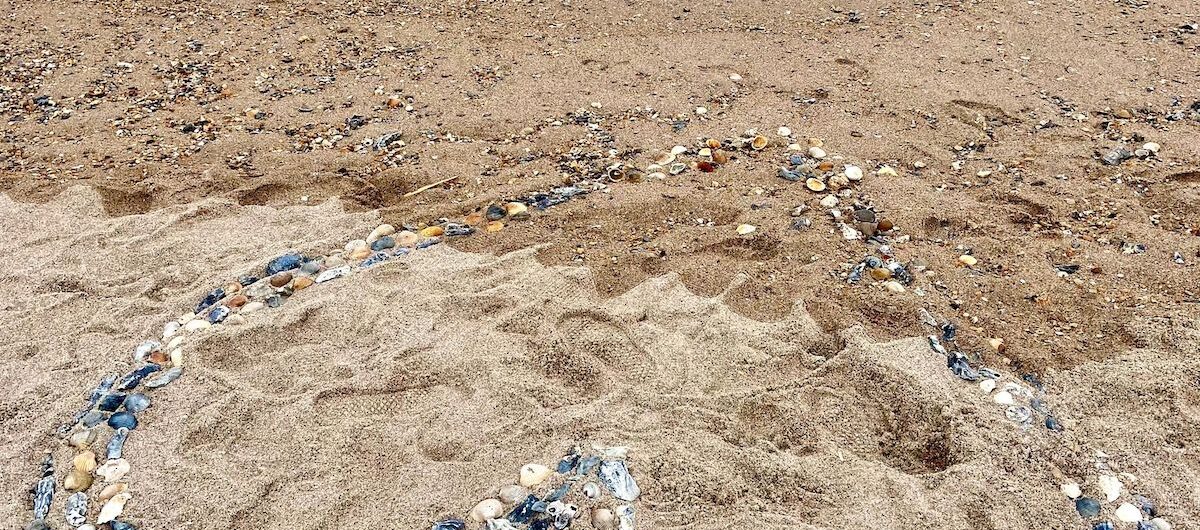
(1128, 513)
(512, 493)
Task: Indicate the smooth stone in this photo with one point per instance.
(37, 524)
(1003, 397)
(829, 201)
(432, 231)
(166, 378)
(1071, 490)
(333, 274)
(238, 301)
(744, 229)
(285, 262)
(196, 325)
(360, 253)
(252, 307)
(615, 474)
(987, 385)
(512, 493)
(450, 524)
(853, 173)
(407, 239)
(93, 418)
(1160, 523)
(487, 509)
(113, 508)
(355, 245)
(381, 231)
(137, 402)
(85, 461)
(1087, 507)
(175, 342)
(968, 260)
(312, 267)
(77, 480)
(534, 474)
(604, 519)
(281, 279)
(1128, 513)
(121, 525)
(82, 439)
(123, 419)
(333, 262)
(76, 509)
(302, 282)
(111, 490)
(516, 210)
(1111, 486)
(816, 152)
(176, 359)
(383, 243)
(170, 329)
(113, 470)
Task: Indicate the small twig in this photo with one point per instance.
(427, 186)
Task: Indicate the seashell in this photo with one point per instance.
(76, 509)
(816, 152)
(116, 444)
(84, 461)
(113, 508)
(196, 325)
(987, 385)
(829, 201)
(720, 156)
(111, 490)
(759, 143)
(562, 513)
(853, 173)
(512, 493)
(380, 231)
(1087, 507)
(1071, 490)
(591, 490)
(77, 480)
(132, 379)
(494, 213)
(677, 168)
(432, 231)
(625, 517)
(144, 349)
(838, 182)
(166, 378)
(1160, 523)
(360, 253)
(486, 509)
(678, 150)
(534, 474)
(170, 329)
(500, 524)
(894, 286)
(664, 158)
(1111, 486)
(744, 229)
(333, 274)
(615, 475)
(113, 470)
(1003, 397)
(516, 210)
(603, 519)
(1128, 513)
(814, 185)
(784, 132)
(705, 153)
(474, 218)
(87, 527)
(82, 439)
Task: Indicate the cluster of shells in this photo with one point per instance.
(596, 487)
(1109, 488)
(708, 155)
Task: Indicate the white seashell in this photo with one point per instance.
(196, 325)
(678, 150)
(486, 509)
(829, 201)
(1152, 147)
(1003, 397)
(332, 274)
(113, 508)
(1128, 513)
(170, 328)
(534, 474)
(177, 356)
(987, 385)
(744, 229)
(849, 232)
(1071, 490)
(854, 173)
(1160, 523)
(591, 490)
(816, 152)
(1111, 486)
(380, 231)
(784, 131)
(603, 519)
(113, 470)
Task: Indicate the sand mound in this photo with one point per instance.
(412, 390)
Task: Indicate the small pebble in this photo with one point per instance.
(281, 279)
(894, 286)
(1160, 523)
(513, 493)
(137, 402)
(237, 301)
(816, 152)
(854, 173)
(1087, 507)
(432, 231)
(312, 267)
(383, 243)
(887, 171)
(111, 490)
(1128, 513)
(987, 385)
(1005, 398)
(332, 274)
(196, 325)
(968, 260)
(829, 201)
(1071, 490)
(381, 231)
(252, 307)
(1111, 486)
(534, 474)
(744, 229)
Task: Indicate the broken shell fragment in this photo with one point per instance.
(113, 508)
(744, 229)
(113, 470)
(615, 475)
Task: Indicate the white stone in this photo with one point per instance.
(175, 342)
(701, 111)
(333, 274)
(252, 307)
(113, 508)
(1071, 490)
(894, 286)
(512, 494)
(816, 152)
(486, 509)
(678, 150)
(987, 385)
(784, 131)
(169, 329)
(1160, 523)
(196, 325)
(534, 474)
(1128, 513)
(829, 201)
(177, 357)
(1003, 397)
(1152, 147)
(744, 229)
(1111, 486)
(735, 77)
(380, 231)
(854, 173)
(86, 527)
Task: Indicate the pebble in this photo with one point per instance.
(113, 508)
(486, 509)
(512, 493)
(432, 231)
(285, 262)
(195, 325)
(1005, 398)
(517, 210)
(494, 226)
(123, 419)
(894, 286)
(111, 402)
(744, 229)
(360, 253)
(1111, 486)
(625, 517)
(166, 378)
(603, 519)
(84, 461)
(1071, 490)
(170, 329)
(816, 152)
(450, 524)
(312, 267)
(281, 279)
(1087, 507)
(121, 525)
(1152, 147)
(113, 470)
(209, 299)
(987, 385)
(381, 231)
(333, 274)
(93, 418)
(252, 307)
(82, 439)
(219, 314)
(1128, 513)
(137, 402)
(534, 474)
(383, 243)
(303, 282)
(591, 490)
(968, 260)
(854, 173)
(144, 349)
(76, 509)
(1160, 523)
(887, 171)
(274, 300)
(829, 201)
(615, 475)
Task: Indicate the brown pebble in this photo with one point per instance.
(885, 225)
(358, 253)
(720, 156)
(406, 239)
(232, 287)
(284, 278)
(474, 219)
(157, 357)
(302, 282)
(432, 231)
(706, 166)
(881, 273)
(237, 301)
(825, 165)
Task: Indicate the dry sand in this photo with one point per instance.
(410, 391)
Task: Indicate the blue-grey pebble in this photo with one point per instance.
(1087, 507)
(123, 419)
(383, 243)
(93, 418)
(137, 402)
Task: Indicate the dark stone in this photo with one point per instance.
(274, 300)
(1104, 525)
(428, 242)
(383, 243)
(568, 463)
(116, 444)
(247, 280)
(37, 524)
(1146, 505)
(559, 493)
(450, 524)
(132, 379)
(541, 524)
(958, 364)
(285, 262)
(122, 525)
(949, 332)
(123, 419)
(1053, 424)
(218, 314)
(209, 299)
(111, 402)
(1087, 507)
(495, 213)
(587, 464)
(455, 230)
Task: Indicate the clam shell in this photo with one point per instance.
(664, 158)
(814, 184)
(759, 143)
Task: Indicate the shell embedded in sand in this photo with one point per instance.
(759, 143)
(1111, 486)
(486, 509)
(664, 158)
(814, 184)
(1071, 490)
(113, 508)
(744, 229)
(853, 173)
(512, 493)
(1003, 397)
(77, 480)
(85, 461)
(816, 152)
(534, 474)
(987, 385)
(604, 519)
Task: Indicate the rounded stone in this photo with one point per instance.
(381, 231)
(829, 201)
(1004, 397)
(534, 474)
(137, 402)
(383, 243)
(281, 279)
(512, 493)
(968, 260)
(311, 267)
(432, 231)
(744, 229)
(360, 253)
(853, 173)
(1128, 513)
(355, 245)
(333, 262)
(516, 210)
(816, 152)
(486, 509)
(302, 282)
(495, 213)
(894, 286)
(406, 238)
(237, 301)
(1087, 507)
(123, 419)
(252, 307)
